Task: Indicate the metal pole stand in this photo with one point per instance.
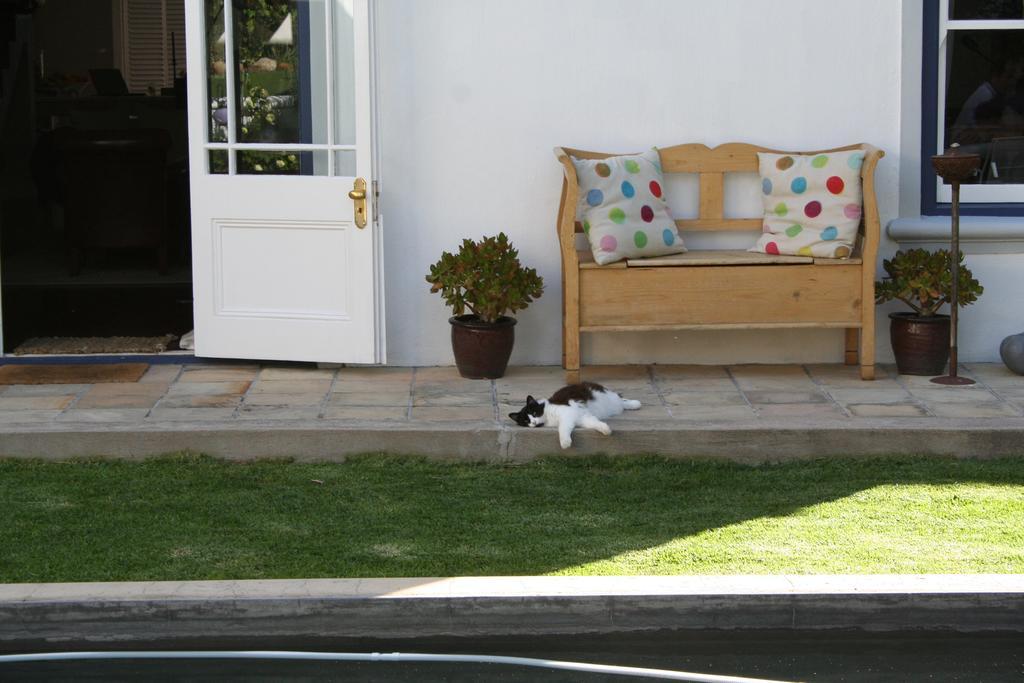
(955, 167)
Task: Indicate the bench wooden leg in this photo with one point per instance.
(571, 326)
(867, 350)
(571, 355)
(852, 337)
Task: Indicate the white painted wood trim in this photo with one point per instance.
(229, 84)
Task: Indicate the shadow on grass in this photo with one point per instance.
(185, 517)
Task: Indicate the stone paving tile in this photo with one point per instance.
(697, 398)
(453, 414)
(533, 372)
(973, 410)
(439, 375)
(20, 403)
(370, 399)
(726, 413)
(374, 374)
(845, 375)
(186, 414)
(759, 397)
(482, 388)
(451, 399)
(771, 377)
(107, 415)
(1011, 393)
(925, 381)
(291, 386)
(260, 412)
(705, 385)
(8, 417)
(894, 394)
(296, 374)
(513, 393)
(615, 373)
(207, 401)
(229, 374)
(122, 395)
(886, 410)
(161, 374)
(690, 372)
(994, 374)
(369, 413)
(369, 386)
(967, 394)
(208, 389)
(283, 400)
(14, 390)
(799, 410)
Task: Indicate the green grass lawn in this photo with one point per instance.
(199, 518)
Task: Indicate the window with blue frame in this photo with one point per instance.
(973, 96)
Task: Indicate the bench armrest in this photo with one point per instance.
(566, 224)
(872, 225)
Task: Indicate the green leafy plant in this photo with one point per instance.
(921, 279)
(486, 278)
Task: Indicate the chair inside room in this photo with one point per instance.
(114, 187)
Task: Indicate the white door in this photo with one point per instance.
(285, 262)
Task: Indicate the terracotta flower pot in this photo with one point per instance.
(482, 349)
(921, 345)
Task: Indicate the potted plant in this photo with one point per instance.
(922, 280)
(486, 279)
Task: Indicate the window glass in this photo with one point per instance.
(986, 9)
(984, 107)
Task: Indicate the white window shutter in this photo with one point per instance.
(174, 13)
(147, 42)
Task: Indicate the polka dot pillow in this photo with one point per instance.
(812, 203)
(623, 209)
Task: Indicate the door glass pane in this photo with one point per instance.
(218, 161)
(215, 70)
(986, 9)
(984, 107)
(281, 61)
(344, 74)
(345, 163)
(296, 162)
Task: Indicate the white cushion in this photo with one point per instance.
(623, 209)
(812, 203)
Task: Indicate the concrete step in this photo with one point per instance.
(745, 413)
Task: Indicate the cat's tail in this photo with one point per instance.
(630, 404)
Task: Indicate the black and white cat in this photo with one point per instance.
(584, 405)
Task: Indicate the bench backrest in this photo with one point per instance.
(711, 165)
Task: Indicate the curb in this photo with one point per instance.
(485, 606)
(484, 441)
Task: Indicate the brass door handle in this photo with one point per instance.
(358, 197)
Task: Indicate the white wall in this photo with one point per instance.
(998, 313)
(475, 93)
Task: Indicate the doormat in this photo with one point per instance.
(86, 373)
(67, 346)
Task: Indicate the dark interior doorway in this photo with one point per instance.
(94, 209)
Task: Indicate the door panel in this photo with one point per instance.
(278, 137)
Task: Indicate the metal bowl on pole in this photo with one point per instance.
(955, 167)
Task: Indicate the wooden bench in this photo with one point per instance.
(713, 289)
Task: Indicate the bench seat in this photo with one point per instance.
(718, 289)
(712, 257)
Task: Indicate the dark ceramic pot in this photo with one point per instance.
(482, 349)
(921, 345)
